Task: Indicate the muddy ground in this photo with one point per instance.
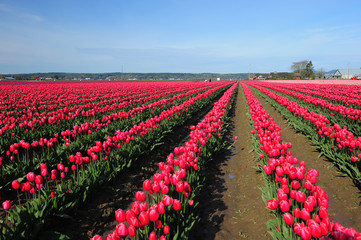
(231, 205)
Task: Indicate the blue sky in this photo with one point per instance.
(194, 36)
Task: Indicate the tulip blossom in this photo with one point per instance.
(288, 218)
(7, 204)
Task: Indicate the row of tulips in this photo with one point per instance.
(345, 116)
(343, 94)
(65, 188)
(166, 207)
(132, 133)
(324, 104)
(31, 116)
(301, 207)
(32, 154)
(336, 142)
(68, 99)
(47, 124)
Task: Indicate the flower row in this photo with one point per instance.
(294, 197)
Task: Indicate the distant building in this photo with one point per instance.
(257, 77)
(9, 78)
(346, 73)
(260, 77)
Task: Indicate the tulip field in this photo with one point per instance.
(61, 143)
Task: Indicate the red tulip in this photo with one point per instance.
(7, 204)
(297, 213)
(323, 212)
(305, 233)
(288, 218)
(144, 218)
(177, 205)
(166, 229)
(134, 222)
(167, 200)
(15, 184)
(96, 237)
(284, 206)
(30, 176)
(158, 224)
(164, 189)
(122, 230)
(272, 204)
(120, 215)
(300, 196)
(179, 186)
(161, 208)
(39, 179)
(152, 236)
(132, 231)
(296, 184)
(143, 206)
(305, 215)
(147, 185)
(153, 215)
(316, 231)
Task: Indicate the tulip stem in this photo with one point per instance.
(17, 193)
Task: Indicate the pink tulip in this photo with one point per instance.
(288, 218)
(177, 204)
(140, 196)
(120, 215)
(153, 215)
(7, 204)
(15, 184)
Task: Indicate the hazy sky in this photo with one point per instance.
(192, 36)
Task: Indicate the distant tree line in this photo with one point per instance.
(126, 76)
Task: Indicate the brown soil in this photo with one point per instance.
(344, 196)
(232, 207)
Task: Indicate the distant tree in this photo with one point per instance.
(308, 72)
(298, 67)
(320, 73)
(19, 77)
(304, 68)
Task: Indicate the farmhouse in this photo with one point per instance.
(346, 73)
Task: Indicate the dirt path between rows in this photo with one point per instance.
(344, 196)
(232, 203)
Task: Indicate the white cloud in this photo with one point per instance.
(21, 13)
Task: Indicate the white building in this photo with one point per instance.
(347, 73)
